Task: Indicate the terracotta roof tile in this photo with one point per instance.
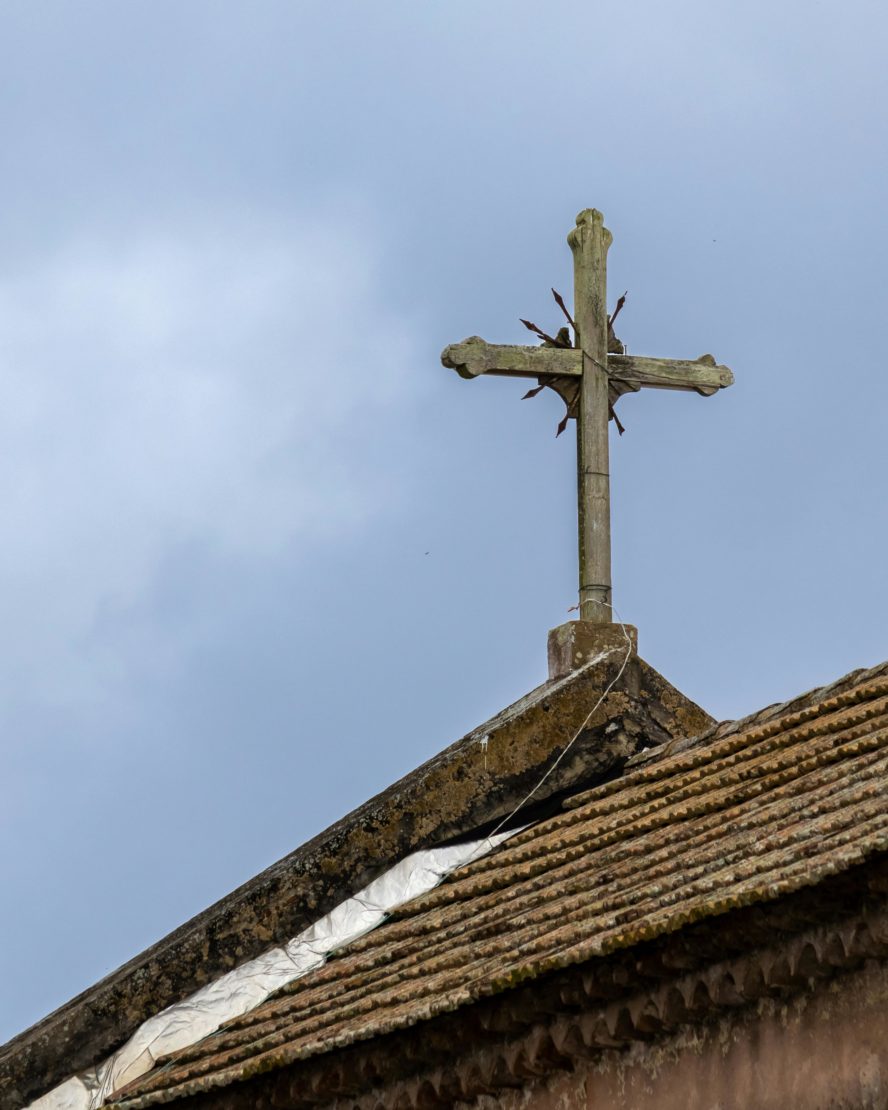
(747, 812)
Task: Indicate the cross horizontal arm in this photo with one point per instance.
(473, 357)
(628, 373)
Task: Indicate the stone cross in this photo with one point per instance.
(590, 380)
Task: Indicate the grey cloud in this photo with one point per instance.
(233, 240)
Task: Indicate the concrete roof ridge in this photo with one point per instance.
(776, 710)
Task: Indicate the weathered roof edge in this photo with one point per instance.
(618, 999)
(477, 780)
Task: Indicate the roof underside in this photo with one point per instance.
(746, 813)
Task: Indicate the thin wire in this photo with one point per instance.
(592, 662)
(650, 378)
(600, 367)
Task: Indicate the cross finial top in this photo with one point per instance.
(590, 219)
(590, 378)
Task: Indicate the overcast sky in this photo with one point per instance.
(261, 554)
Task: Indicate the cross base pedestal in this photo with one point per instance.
(575, 643)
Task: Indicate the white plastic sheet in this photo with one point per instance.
(244, 988)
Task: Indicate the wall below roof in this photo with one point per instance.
(820, 1050)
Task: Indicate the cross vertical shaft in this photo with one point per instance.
(589, 241)
(589, 379)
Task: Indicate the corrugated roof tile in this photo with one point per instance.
(745, 813)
